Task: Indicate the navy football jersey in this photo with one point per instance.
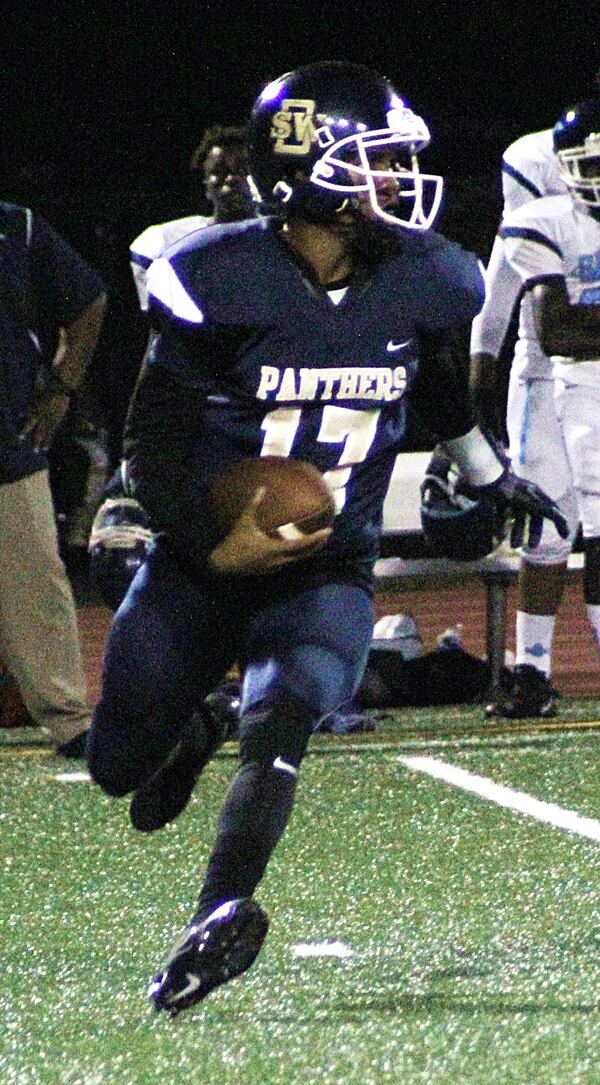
(262, 361)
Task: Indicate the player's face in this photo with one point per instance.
(387, 185)
(225, 172)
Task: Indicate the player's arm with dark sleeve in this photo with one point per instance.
(440, 393)
(161, 430)
(68, 294)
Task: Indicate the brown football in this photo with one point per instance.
(297, 497)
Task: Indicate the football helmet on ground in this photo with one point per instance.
(576, 140)
(335, 137)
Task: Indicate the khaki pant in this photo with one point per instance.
(39, 638)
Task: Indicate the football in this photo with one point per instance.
(297, 500)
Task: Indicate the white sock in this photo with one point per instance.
(534, 633)
(593, 613)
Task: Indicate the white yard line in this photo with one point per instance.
(73, 777)
(505, 796)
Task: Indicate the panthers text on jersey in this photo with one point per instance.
(254, 358)
(554, 237)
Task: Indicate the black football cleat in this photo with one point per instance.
(166, 794)
(527, 694)
(209, 953)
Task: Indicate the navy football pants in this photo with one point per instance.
(174, 638)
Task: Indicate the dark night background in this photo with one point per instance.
(111, 98)
(103, 103)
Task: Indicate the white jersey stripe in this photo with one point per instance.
(163, 284)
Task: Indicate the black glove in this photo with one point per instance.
(526, 505)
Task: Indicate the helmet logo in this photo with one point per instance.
(293, 129)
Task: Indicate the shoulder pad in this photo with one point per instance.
(15, 222)
(222, 274)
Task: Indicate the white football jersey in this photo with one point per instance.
(153, 241)
(529, 172)
(550, 237)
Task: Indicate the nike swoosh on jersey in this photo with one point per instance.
(397, 346)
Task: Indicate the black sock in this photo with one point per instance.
(254, 816)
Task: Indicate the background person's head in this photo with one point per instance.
(221, 159)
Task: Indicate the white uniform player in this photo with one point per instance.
(554, 246)
(530, 171)
(221, 158)
(555, 237)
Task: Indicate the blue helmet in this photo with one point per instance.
(332, 136)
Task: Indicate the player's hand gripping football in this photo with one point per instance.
(248, 551)
(527, 506)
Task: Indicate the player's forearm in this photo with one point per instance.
(475, 457)
(77, 343)
(567, 329)
(486, 403)
(158, 445)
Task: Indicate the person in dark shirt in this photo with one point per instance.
(48, 295)
(305, 333)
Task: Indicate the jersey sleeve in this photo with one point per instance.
(170, 300)
(142, 251)
(531, 249)
(502, 290)
(452, 290)
(530, 171)
(63, 283)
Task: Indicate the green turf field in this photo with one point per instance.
(420, 933)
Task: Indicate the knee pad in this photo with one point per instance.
(276, 729)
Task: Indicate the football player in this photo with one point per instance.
(220, 158)
(304, 332)
(530, 170)
(554, 245)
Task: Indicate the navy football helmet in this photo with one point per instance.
(334, 137)
(455, 523)
(576, 139)
(117, 547)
